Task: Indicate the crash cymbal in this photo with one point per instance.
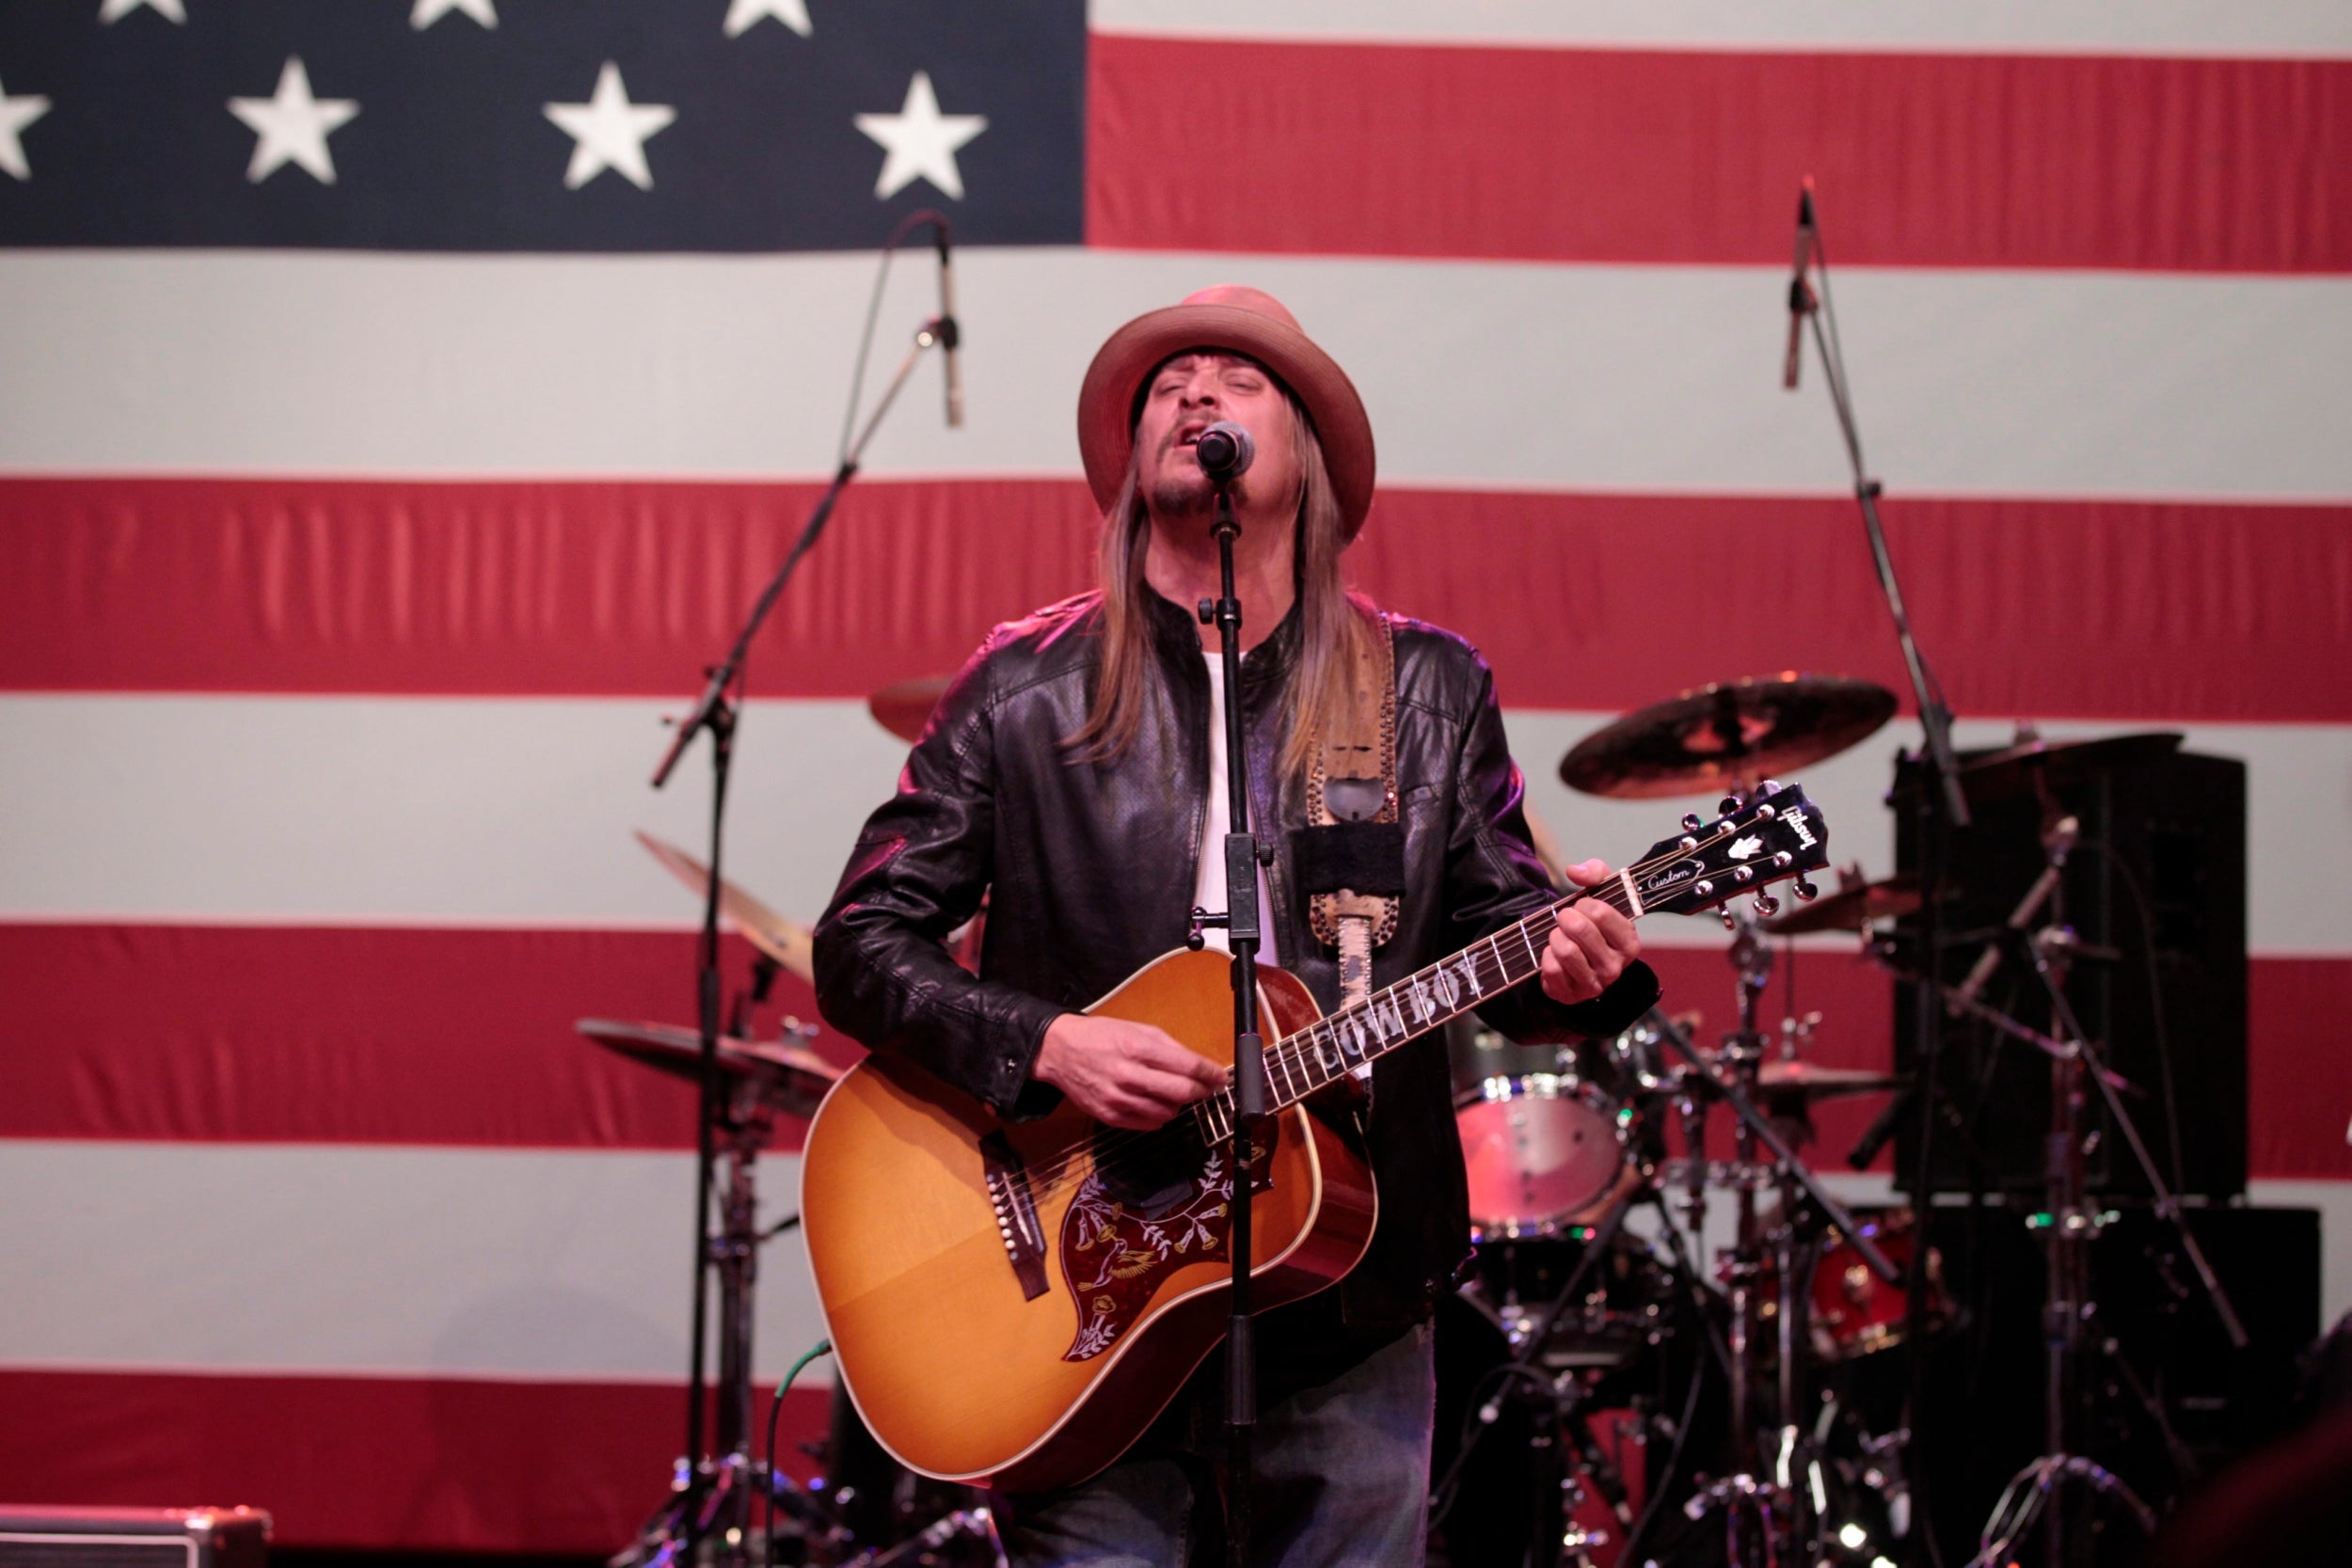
(795, 1079)
(905, 707)
(1703, 741)
(1794, 1080)
(1851, 907)
(2011, 771)
(787, 941)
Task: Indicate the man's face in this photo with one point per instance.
(1184, 397)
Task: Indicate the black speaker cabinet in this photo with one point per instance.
(2156, 892)
(132, 1537)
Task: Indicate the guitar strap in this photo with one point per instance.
(1353, 832)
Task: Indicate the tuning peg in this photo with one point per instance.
(1729, 804)
(1805, 891)
(1770, 786)
(1690, 822)
(1767, 906)
(1731, 920)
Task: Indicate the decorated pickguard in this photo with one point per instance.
(1116, 1250)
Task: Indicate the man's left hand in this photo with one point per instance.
(1590, 943)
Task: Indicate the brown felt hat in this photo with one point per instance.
(1239, 320)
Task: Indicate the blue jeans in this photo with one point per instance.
(1341, 1477)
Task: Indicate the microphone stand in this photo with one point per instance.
(1942, 807)
(1242, 858)
(724, 1515)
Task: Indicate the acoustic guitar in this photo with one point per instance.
(1014, 1303)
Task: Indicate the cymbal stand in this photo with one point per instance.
(1772, 1502)
(712, 1509)
(2070, 1222)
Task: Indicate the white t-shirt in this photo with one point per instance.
(1208, 884)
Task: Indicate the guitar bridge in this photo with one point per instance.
(1016, 1214)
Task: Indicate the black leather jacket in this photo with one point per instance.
(1094, 865)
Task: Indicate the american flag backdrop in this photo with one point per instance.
(404, 399)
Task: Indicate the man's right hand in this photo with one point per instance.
(1127, 1074)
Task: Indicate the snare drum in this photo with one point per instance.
(1543, 1149)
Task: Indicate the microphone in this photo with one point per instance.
(949, 334)
(1800, 294)
(1225, 452)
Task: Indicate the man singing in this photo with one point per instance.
(1074, 771)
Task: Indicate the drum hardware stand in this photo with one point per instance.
(1774, 1503)
(712, 1506)
(711, 1509)
(2068, 1219)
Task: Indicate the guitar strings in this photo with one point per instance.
(1108, 1150)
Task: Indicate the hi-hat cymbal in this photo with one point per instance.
(2013, 769)
(1703, 741)
(793, 1079)
(1849, 908)
(787, 941)
(905, 707)
(1803, 1080)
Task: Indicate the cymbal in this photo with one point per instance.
(1703, 740)
(795, 1079)
(1794, 1080)
(903, 708)
(2013, 770)
(1849, 908)
(785, 941)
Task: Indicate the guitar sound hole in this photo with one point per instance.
(1149, 1174)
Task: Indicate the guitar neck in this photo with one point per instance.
(1320, 1055)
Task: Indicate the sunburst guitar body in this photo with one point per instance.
(1012, 1303)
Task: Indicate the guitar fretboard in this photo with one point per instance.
(1321, 1054)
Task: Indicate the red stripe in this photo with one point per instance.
(1565, 155)
(420, 1463)
(2159, 612)
(347, 1036)
(2298, 1095)
(446, 1036)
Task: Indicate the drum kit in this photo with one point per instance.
(1619, 1379)
(1754, 1383)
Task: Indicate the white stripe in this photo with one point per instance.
(503, 811)
(2288, 28)
(1476, 374)
(463, 1263)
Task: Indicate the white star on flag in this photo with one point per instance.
(293, 126)
(921, 141)
(429, 11)
(609, 131)
(742, 14)
(16, 114)
(115, 10)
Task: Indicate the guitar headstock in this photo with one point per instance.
(1772, 837)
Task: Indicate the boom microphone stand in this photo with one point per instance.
(1225, 451)
(712, 1492)
(1942, 808)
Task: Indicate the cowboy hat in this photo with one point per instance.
(1237, 320)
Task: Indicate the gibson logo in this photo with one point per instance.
(1805, 830)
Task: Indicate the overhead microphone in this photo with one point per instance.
(949, 334)
(1224, 451)
(1800, 293)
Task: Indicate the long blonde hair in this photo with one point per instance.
(1331, 623)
